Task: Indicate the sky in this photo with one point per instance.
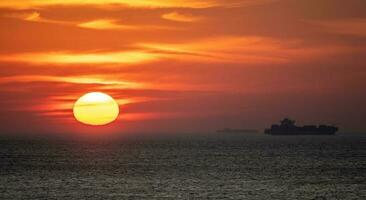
(183, 65)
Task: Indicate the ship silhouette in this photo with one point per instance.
(288, 127)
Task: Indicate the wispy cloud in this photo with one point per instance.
(179, 17)
(226, 49)
(103, 24)
(106, 80)
(21, 4)
(35, 16)
(246, 50)
(356, 27)
(25, 4)
(97, 24)
(123, 57)
(113, 24)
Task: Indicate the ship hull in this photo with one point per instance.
(295, 132)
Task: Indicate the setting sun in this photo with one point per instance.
(96, 108)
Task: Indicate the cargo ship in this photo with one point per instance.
(288, 127)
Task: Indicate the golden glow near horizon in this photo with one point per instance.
(96, 109)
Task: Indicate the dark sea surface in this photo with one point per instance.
(241, 167)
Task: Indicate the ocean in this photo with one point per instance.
(252, 166)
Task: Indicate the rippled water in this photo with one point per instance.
(247, 167)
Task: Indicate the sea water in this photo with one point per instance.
(241, 167)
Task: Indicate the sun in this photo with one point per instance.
(96, 108)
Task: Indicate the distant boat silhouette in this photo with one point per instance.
(288, 127)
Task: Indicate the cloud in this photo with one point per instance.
(136, 116)
(103, 24)
(97, 24)
(35, 16)
(123, 57)
(355, 27)
(29, 4)
(27, 16)
(225, 49)
(23, 4)
(71, 79)
(245, 50)
(112, 24)
(175, 16)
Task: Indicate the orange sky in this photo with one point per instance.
(183, 65)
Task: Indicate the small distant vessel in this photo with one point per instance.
(288, 127)
(230, 130)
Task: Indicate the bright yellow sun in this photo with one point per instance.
(96, 108)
